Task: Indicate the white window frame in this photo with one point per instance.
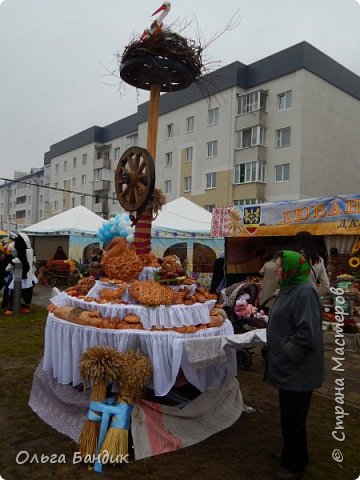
(84, 158)
(279, 137)
(82, 200)
(190, 121)
(210, 180)
(281, 172)
(212, 149)
(132, 140)
(167, 187)
(98, 174)
(169, 130)
(251, 102)
(257, 137)
(285, 100)
(189, 153)
(187, 184)
(83, 179)
(117, 153)
(168, 159)
(213, 116)
(73, 181)
(209, 207)
(251, 172)
(56, 169)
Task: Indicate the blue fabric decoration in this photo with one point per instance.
(120, 414)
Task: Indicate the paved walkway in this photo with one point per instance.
(41, 295)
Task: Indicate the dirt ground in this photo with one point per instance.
(240, 452)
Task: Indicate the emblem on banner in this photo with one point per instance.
(251, 218)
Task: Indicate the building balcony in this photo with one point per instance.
(102, 163)
(250, 154)
(259, 117)
(101, 208)
(101, 186)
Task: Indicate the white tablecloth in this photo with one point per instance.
(65, 342)
(167, 316)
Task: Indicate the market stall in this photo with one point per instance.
(74, 230)
(253, 233)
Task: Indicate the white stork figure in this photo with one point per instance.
(157, 25)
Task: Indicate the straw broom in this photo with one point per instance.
(134, 374)
(96, 364)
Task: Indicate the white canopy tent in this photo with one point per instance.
(183, 228)
(184, 217)
(78, 220)
(74, 230)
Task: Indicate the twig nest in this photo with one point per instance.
(166, 59)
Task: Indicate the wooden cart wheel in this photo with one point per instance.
(49, 279)
(135, 179)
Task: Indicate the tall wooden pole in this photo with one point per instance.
(142, 236)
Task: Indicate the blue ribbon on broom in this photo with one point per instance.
(120, 414)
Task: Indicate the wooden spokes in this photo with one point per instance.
(135, 179)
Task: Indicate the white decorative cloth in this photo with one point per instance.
(167, 316)
(65, 342)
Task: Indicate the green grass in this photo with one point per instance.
(242, 452)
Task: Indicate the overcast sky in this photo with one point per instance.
(55, 55)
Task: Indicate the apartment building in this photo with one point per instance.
(285, 127)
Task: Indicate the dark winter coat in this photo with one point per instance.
(295, 359)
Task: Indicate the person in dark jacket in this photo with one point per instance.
(295, 358)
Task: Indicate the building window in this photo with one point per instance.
(73, 181)
(189, 154)
(40, 213)
(20, 200)
(210, 207)
(285, 100)
(56, 185)
(29, 199)
(211, 180)
(65, 166)
(41, 198)
(250, 137)
(98, 174)
(168, 159)
(83, 179)
(46, 206)
(282, 172)
(189, 124)
(73, 202)
(247, 201)
(249, 172)
(187, 184)
(57, 168)
(82, 200)
(117, 153)
(74, 162)
(56, 205)
(167, 184)
(213, 116)
(132, 140)
(170, 130)
(283, 137)
(250, 102)
(212, 149)
(84, 158)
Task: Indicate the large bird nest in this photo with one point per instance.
(168, 45)
(167, 59)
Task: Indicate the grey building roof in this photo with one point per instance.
(302, 55)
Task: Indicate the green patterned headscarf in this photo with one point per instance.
(295, 269)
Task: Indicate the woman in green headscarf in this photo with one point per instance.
(295, 360)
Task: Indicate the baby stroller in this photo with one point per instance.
(242, 305)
